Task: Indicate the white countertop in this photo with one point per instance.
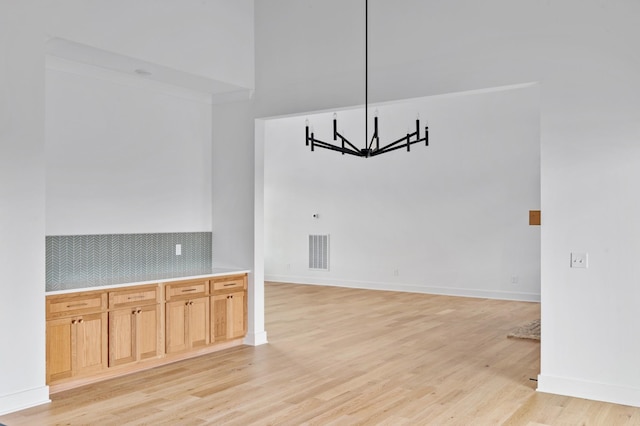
(213, 272)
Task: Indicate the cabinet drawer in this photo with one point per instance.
(75, 304)
(186, 290)
(136, 296)
(228, 283)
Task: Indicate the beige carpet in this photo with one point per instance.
(530, 330)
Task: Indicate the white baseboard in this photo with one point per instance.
(256, 339)
(589, 390)
(24, 399)
(445, 291)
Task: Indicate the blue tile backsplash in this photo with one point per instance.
(78, 261)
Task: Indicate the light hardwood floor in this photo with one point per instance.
(345, 357)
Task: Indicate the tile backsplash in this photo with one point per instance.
(75, 261)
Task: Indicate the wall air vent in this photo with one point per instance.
(319, 252)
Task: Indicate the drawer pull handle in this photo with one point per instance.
(77, 305)
(135, 297)
(230, 284)
(189, 289)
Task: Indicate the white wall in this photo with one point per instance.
(233, 185)
(450, 218)
(22, 319)
(212, 38)
(124, 155)
(585, 56)
(233, 204)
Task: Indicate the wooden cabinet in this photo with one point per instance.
(134, 325)
(228, 308)
(186, 315)
(94, 335)
(76, 342)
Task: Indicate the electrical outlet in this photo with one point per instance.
(178, 249)
(579, 260)
(514, 279)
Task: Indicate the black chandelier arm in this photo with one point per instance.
(345, 140)
(326, 145)
(406, 138)
(392, 146)
(374, 137)
(406, 144)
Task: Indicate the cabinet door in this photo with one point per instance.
(122, 337)
(147, 320)
(236, 313)
(176, 333)
(228, 316)
(59, 349)
(90, 343)
(198, 313)
(219, 317)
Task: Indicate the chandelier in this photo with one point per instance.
(371, 146)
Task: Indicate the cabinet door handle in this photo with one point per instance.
(190, 303)
(138, 311)
(80, 321)
(133, 312)
(74, 321)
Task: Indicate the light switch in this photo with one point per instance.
(178, 249)
(579, 260)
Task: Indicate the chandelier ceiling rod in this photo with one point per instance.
(366, 77)
(347, 147)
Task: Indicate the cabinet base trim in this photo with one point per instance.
(118, 371)
(24, 399)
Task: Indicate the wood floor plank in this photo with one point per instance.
(339, 356)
